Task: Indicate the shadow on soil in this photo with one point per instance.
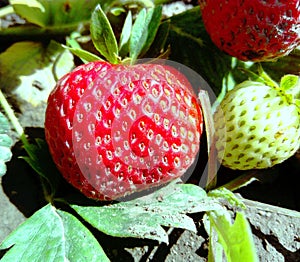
(278, 186)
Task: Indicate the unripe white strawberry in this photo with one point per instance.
(257, 126)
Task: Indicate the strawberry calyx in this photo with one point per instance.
(289, 84)
(134, 41)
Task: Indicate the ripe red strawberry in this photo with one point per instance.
(117, 129)
(254, 30)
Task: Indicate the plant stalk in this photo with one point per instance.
(12, 118)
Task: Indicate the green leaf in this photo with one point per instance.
(236, 238)
(289, 81)
(291, 84)
(52, 235)
(5, 143)
(153, 25)
(145, 216)
(125, 35)
(29, 70)
(40, 160)
(54, 13)
(32, 10)
(103, 36)
(144, 30)
(29, 3)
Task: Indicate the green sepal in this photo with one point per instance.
(84, 55)
(74, 47)
(103, 36)
(125, 35)
(291, 85)
(144, 30)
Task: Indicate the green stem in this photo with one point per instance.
(10, 114)
(12, 118)
(242, 180)
(182, 33)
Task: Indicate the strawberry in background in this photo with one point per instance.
(253, 30)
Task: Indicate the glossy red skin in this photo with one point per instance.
(109, 177)
(255, 30)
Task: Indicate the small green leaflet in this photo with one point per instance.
(144, 30)
(103, 36)
(52, 235)
(5, 144)
(291, 85)
(145, 216)
(289, 81)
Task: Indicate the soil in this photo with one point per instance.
(273, 206)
